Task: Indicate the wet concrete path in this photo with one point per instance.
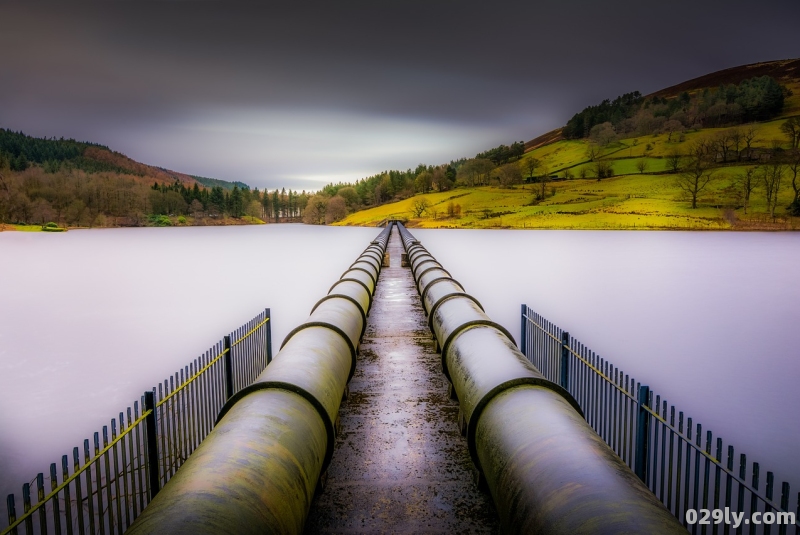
(400, 464)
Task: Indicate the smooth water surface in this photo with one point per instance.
(709, 320)
(90, 319)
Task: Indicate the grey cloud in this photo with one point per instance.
(503, 71)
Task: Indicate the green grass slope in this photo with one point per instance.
(632, 198)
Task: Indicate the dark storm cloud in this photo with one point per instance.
(171, 74)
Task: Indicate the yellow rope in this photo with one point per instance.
(75, 475)
(130, 428)
(251, 331)
(192, 378)
(663, 421)
(199, 373)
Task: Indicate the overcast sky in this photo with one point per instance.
(299, 94)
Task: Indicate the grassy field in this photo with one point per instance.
(174, 221)
(636, 201)
(628, 200)
(21, 228)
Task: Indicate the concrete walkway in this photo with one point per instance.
(400, 464)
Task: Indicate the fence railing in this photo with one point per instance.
(683, 470)
(121, 473)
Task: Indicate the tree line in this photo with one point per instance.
(755, 99)
(499, 165)
(76, 197)
(698, 169)
(19, 151)
(86, 184)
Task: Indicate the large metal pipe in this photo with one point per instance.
(547, 470)
(257, 471)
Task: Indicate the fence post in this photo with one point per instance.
(12, 512)
(523, 332)
(152, 443)
(269, 337)
(642, 434)
(228, 369)
(565, 360)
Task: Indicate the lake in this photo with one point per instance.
(90, 319)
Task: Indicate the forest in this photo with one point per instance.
(81, 184)
(755, 99)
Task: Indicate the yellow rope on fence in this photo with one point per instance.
(698, 449)
(588, 364)
(251, 331)
(207, 366)
(192, 378)
(146, 413)
(74, 476)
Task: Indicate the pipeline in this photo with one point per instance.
(545, 467)
(258, 470)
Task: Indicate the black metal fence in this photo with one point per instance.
(122, 472)
(683, 467)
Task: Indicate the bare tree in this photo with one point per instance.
(697, 174)
(453, 209)
(603, 169)
(544, 179)
(603, 133)
(674, 161)
(483, 169)
(196, 208)
(335, 210)
(509, 174)
(792, 130)
(737, 138)
(641, 165)
(315, 210)
(771, 177)
(793, 165)
(633, 144)
(440, 179)
(745, 184)
(420, 206)
(722, 145)
(532, 164)
(592, 151)
(749, 137)
(672, 126)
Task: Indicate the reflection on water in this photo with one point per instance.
(90, 319)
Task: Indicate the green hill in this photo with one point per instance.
(81, 184)
(629, 163)
(224, 184)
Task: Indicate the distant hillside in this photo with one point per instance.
(21, 150)
(545, 139)
(718, 152)
(786, 72)
(74, 183)
(224, 184)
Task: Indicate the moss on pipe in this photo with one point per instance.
(482, 363)
(255, 473)
(549, 472)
